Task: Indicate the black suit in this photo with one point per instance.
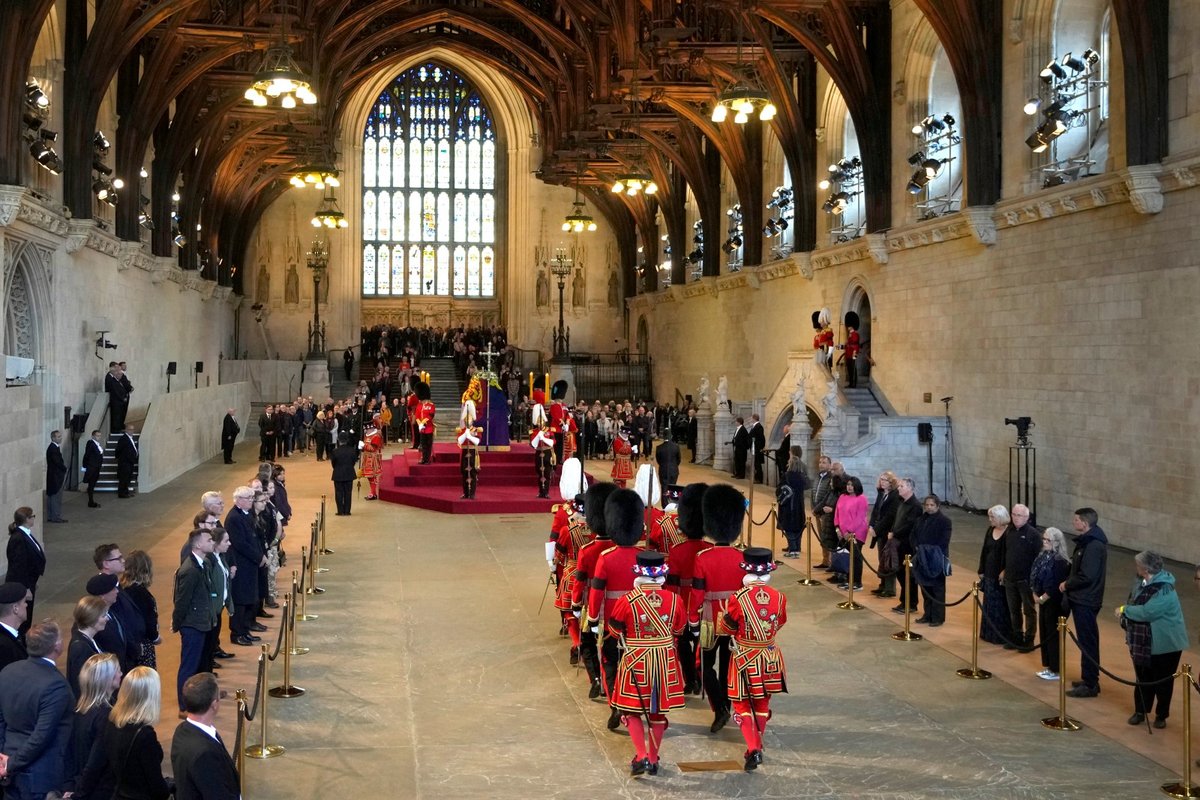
(343, 459)
(783, 454)
(229, 433)
(127, 459)
(79, 650)
(124, 633)
(266, 437)
(133, 756)
(247, 552)
(35, 726)
(118, 402)
(666, 455)
(759, 437)
(693, 431)
(203, 767)
(93, 458)
(741, 446)
(56, 469)
(26, 563)
(11, 648)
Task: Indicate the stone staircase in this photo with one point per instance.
(867, 406)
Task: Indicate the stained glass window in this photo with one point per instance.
(429, 134)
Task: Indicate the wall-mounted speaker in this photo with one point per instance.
(925, 432)
(170, 367)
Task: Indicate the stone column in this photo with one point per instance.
(722, 434)
(704, 433)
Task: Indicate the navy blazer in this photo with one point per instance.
(203, 767)
(35, 723)
(26, 560)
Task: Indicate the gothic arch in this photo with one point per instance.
(27, 301)
(643, 337)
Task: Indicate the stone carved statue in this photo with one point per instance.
(833, 413)
(543, 289)
(291, 285)
(799, 407)
(722, 391)
(702, 392)
(262, 290)
(614, 290)
(579, 290)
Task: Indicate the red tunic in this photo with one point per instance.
(682, 564)
(570, 542)
(610, 582)
(664, 531)
(585, 567)
(425, 414)
(648, 675)
(852, 344)
(718, 574)
(753, 616)
(622, 469)
(823, 339)
(372, 462)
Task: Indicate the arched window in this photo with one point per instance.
(429, 182)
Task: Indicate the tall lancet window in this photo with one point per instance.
(429, 188)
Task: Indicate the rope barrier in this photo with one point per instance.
(1117, 678)
(959, 601)
(258, 682)
(1023, 648)
(279, 637)
(767, 518)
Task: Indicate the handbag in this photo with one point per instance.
(889, 558)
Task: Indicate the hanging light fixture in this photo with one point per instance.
(634, 182)
(280, 78)
(317, 175)
(328, 214)
(578, 220)
(744, 97)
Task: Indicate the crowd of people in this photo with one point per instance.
(89, 730)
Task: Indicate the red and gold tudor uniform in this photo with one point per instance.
(664, 531)
(649, 682)
(622, 469)
(681, 561)
(611, 580)
(716, 576)
(542, 441)
(585, 567)
(469, 437)
(372, 457)
(569, 542)
(753, 616)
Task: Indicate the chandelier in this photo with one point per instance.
(634, 182)
(744, 97)
(317, 175)
(328, 214)
(578, 220)
(280, 78)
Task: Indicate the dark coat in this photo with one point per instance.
(93, 458)
(56, 469)
(266, 425)
(202, 766)
(124, 633)
(229, 430)
(907, 513)
(342, 459)
(26, 560)
(133, 756)
(147, 608)
(11, 649)
(823, 494)
(35, 723)
(1021, 547)
(193, 597)
(883, 514)
(741, 442)
(790, 494)
(86, 732)
(666, 455)
(1085, 583)
(759, 437)
(783, 453)
(78, 651)
(247, 553)
(127, 452)
(117, 393)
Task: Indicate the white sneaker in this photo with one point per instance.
(1047, 675)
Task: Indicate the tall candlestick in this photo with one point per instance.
(531, 385)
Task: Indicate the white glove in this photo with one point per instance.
(361, 445)
(550, 546)
(576, 614)
(635, 449)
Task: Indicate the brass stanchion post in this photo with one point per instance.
(312, 587)
(316, 546)
(974, 673)
(324, 550)
(262, 749)
(907, 635)
(750, 504)
(848, 604)
(289, 630)
(1062, 722)
(295, 649)
(1185, 789)
(302, 616)
(774, 528)
(239, 756)
(807, 580)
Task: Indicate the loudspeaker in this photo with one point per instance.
(199, 367)
(170, 367)
(924, 432)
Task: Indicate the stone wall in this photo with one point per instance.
(22, 450)
(268, 381)
(183, 429)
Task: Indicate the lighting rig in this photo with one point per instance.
(939, 142)
(38, 137)
(1068, 92)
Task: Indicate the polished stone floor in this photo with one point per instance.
(433, 674)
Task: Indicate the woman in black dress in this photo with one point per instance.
(994, 625)
(135, 582)
(98, 682)
(128, 747)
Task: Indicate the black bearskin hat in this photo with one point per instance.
(724, 508)
(558, 390)
(691, 514)
(624, 516)
(852, 319)
(593, 507)
(421, 389)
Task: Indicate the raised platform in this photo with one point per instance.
(507, 482)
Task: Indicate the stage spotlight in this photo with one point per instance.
(1076, 65)
(916, 158)
(101, 143)
(1037, 143)
(949, 120)
(1031, 106)
(1091, 57)
(34, 95)
(1051, 71)
(918, 182)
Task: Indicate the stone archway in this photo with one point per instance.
(643, 337)
(858, 300)
(26, 301)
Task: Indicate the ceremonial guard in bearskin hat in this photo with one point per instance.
(426, 411)
(823, 340)
(649, 682)
(567, 545)
(682, 561)
(718, 574)
(622, 469)
(753, 616)
(853, 345)
(412, 407)
(585, 567)
(613, 578)
(563, 422)
(469, 435)
(372, 457)
(541, 439)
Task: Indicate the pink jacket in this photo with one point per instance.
(850, 515)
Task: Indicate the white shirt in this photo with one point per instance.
(209, 729)
(9, 628)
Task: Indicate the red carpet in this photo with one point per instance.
(507, 482)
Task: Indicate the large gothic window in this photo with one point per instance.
(429, 189)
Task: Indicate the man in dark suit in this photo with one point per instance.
(35, 717)
(758, 438)
(741, 447)
(127, 459)
(193, 617)
(229, 433)
(93, 459)
(248, 555)
(124, 615)
(14, 610)
(203, 767)
(783, 453)
(266, 434)
(56, 475)
(26, 558)
(343, 459)
(118, 398)
(283, 430)
(666, 455)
